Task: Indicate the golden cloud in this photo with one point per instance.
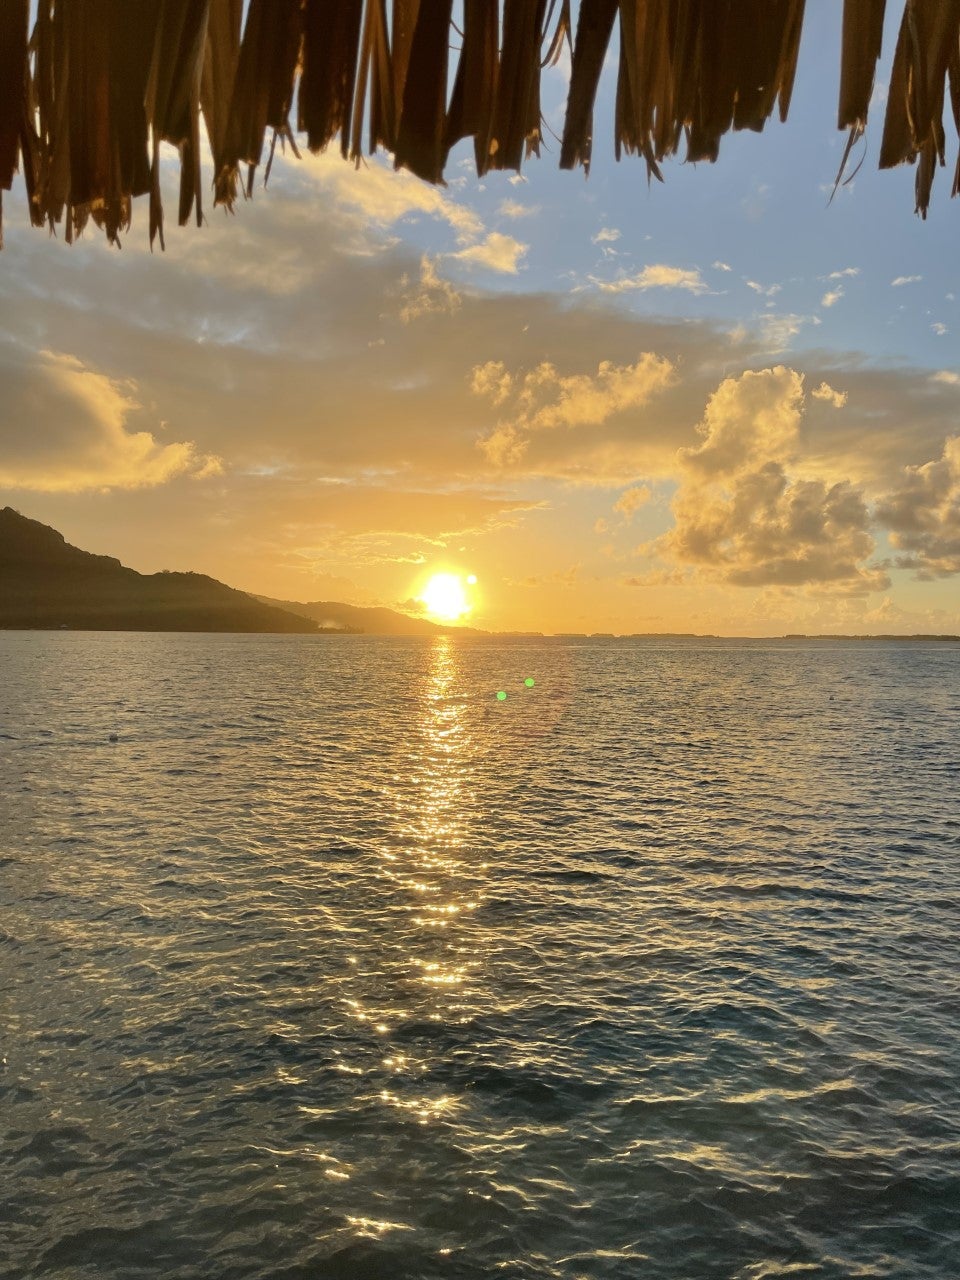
(825, 392)
(743, 518)
(923, 515)
(66, 431)
(657, 276)
(631, 500)
(544, 399)
(432, 295)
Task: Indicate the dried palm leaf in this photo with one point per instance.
(220, 59)
(516, 115)
(85, 107)
(862, 42)
(420, 137)
(953, 76)
(14, 20)
(375, 68)
(172, 100)
(331, 41)
(913, 127)
(594, 29)
(475, 85)
(264, 83)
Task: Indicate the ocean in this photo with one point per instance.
(318, 959)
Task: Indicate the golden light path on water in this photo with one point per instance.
(434, 838)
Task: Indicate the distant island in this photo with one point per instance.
(47, 584)
(839, 636)
(330, 615)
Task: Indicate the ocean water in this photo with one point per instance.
(318, 960)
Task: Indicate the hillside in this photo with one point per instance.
(46, 583)
(330, 615)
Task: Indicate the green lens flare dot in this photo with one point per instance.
(529, 682)
(501, 696)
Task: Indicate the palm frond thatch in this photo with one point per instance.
(87, 99)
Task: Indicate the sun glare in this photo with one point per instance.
(445, 597)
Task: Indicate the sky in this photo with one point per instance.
(725, 404)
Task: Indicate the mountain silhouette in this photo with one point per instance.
(46, 583)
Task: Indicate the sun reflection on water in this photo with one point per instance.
(422, 968)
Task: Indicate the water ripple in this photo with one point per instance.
(320, 961)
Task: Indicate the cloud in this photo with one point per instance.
(657, 276)
(757, 414)
(514, 209)
(743, 516)
(497, 252)
(606, 235)
(831, 297)
(431, 296)
(825, 392)
(721, 266)
(64, 429)
(385, 196)
(901, 280)
(657, 578)
(631, 500)
(491, 380)
(544, 399)
(948, 377)
(777, 330)
(939, 328)
(923, 515)
(765, 290)
(842, 274)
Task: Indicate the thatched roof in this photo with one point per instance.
(89, 95)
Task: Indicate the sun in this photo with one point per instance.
(445, 597)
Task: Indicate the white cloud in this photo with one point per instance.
(777, 330)
(514, 209)
(901, 280)
(721, 266)
(657, 276)
(947, 376)
(496, 252)
(765, 290)
(606, 235)
(831, 297)
(842, 274)
(385, 196)
(939, 328)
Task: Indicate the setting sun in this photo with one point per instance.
(445, 596)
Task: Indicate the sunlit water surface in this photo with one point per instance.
(332, 964)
